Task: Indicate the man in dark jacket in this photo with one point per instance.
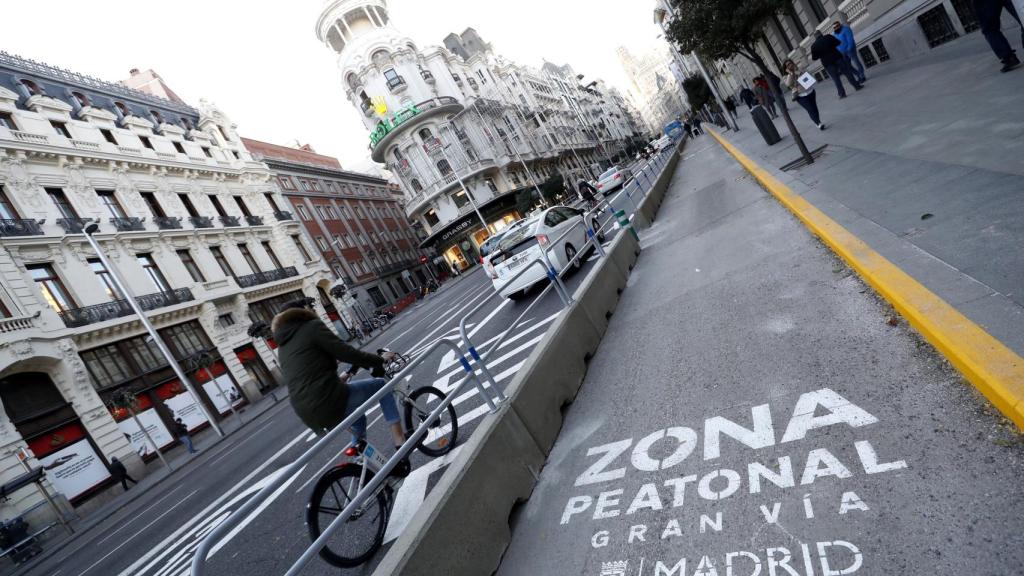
(120, 474)
(308, 353)
(826, 49)
(748, 98)
(989, 14)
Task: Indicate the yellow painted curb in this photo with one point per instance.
(993, 368)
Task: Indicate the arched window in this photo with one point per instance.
(416, 186)
(397, 154)
(32, 87)
(444, 167)
(80, 98)
(156, 116)
(335, 39)
(352, 80)
(122, 109)
(425, 134)
(380, 58)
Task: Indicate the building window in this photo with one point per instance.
(61, 128)
(191, 265)
(106, 279)
(431, 217)
(156, 117)
(270, 254)
(178, 146)
(186, 339)
(490, 184)
(154, 206)
(145, 142)
(106, 366)
(271, 201)
(225, 267)
(249, 259)
(286, 182)
(301, 247)
(217, 205)
(7, 210)
(7, 121)
(187, 203)
(54, 292)
(242, 206)
(322, 244)
(206, 152)
(61, 201)
(153, 271)
(226, 320)
(303, 212)
(125, 112)
(359, 213)
(819, 10)
(460, 198)
(794, 18)
(108, 136)
(444, 167)
(425, 134)
(32, 87)
(109, 201)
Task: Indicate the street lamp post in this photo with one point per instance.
(508, 138)
(714, 91)
(129, 296)
(444, 152)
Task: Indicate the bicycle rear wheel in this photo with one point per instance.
(363, 533)
(443, 433)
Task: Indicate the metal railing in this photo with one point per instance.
(232, 521)
(201, 221)
(254, 220)
(282, 215)
(167, 222)
(78, 317)
(21, 227)
(128, 224)
(74, 225)
(230, 221)
(250, 280)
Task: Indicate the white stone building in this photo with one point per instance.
(437, 114)
(188, 218)
(656, 87)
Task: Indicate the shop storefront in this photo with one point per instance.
(460, 241)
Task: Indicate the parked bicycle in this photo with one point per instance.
(363, 532)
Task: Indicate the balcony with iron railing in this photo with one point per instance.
(74, 225)
(230, 221)
(78, 317)
(167, 222)
(128, 224)
(283, 215)
(254, 220)
(201, 221)
(266, 277)
(396, 84)
(21, 227)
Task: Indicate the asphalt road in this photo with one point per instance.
(752, 411)
(157, 534)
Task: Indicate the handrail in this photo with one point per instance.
(199, 559)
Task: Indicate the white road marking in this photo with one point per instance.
(140, 531)
(140, 514)
(412, 493)
(167, 544)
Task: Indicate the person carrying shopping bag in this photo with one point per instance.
(801, 85)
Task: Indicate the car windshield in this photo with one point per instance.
(516, 235)
(611, 172)
(491, 242)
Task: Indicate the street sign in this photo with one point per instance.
(423, 259)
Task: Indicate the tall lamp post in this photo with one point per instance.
(129, 297)
(444, 152)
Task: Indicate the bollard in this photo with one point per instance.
(625, 223)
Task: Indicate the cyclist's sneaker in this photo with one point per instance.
(402, 469)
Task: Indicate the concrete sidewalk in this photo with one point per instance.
(925, 166)
(751, 411)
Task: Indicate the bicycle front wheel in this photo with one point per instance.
(443, 432)
(363, 533)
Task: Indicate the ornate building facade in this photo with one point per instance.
(194, 225)
(440, 114)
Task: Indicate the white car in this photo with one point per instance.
(522, 243)
(662, 143)
(613, 178)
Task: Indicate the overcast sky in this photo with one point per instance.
(261, 63)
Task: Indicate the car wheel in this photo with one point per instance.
(595, 226)
(517, 295)
(570, 253)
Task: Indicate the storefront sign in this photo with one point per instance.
(456, 229)
(75, 469)
(154, 426)
(226, 387)
(184, 406)
(386, 125)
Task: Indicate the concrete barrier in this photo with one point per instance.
(462, 528)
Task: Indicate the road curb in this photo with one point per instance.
(466, 514)
(985, 362)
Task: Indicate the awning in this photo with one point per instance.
(468, 221)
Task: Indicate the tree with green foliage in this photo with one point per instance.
(552, 188)
(697, 92)
(524, 202)
(721, 29)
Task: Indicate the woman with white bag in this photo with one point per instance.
(802, 85)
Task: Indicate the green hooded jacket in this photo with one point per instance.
(309, 352)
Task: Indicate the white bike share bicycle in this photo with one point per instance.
(363, 532)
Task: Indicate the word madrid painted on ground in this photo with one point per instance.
(668, 452)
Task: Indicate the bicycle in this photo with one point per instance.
(337, 487)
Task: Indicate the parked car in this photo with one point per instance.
(522, 243)
(612, 179)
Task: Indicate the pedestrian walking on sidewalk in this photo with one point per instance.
(748, 98)
(826, 49)
(730, 107)
(803, 96)
(848, 48)
(183, 436)
(989, 13)
(120, 474)
(309, 353)
(765, 96)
